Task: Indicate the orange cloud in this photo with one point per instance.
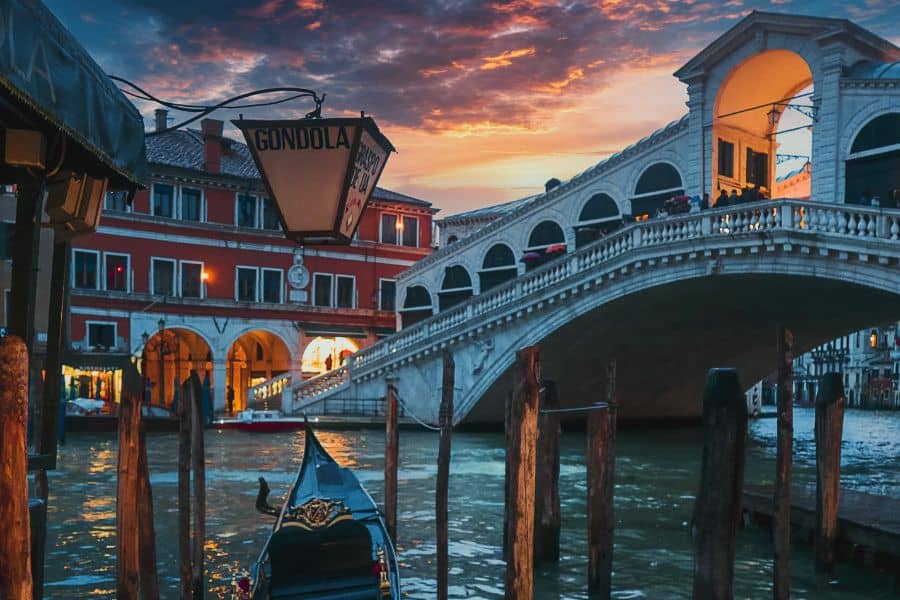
(314, 25)
(310, 4)
(555, 87)
(505, 59)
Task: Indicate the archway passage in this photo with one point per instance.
(167, 360)
(416, 306)
(323, 354)
(873, 168)
(546, 237)
(659, 182)
(499, 266)
(747, 129)
(456, 287)
(599, 216)
(253, 358)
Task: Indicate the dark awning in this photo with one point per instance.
(327, 330)
(49, 82)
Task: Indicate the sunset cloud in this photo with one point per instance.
(504, 59)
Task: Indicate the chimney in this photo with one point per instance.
(212, 144)
(162, 116)
(551, 183)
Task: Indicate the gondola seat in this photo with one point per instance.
(332, 562)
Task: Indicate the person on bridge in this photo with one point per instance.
(722, 200)
(733, 198)
(328, 362)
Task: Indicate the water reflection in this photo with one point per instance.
(657, 477)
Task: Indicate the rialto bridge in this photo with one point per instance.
(672, 296)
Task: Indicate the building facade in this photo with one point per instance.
(195, 273)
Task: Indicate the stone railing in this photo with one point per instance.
(327, 381)
(269, 390)
(848, 221)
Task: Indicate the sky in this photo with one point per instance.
(484, 100)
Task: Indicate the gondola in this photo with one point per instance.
(329, 540)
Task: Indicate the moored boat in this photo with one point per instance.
(265, 421)
(329, 540)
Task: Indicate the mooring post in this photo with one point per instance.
(609, 474)
(184, 489)
(521, 455)
(198, 460)
(391, 459)
(717, 510)
(781, 526)
(128, 530)
(443, 476)
(15, 541)
(829, 429)
(147, 535)
(546, 500)
(507, 407)
(599, 584)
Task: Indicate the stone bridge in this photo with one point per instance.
(668, 298)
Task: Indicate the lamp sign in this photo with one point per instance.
(320, 172)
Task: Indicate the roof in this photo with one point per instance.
(868, 69)
(489, 212)
(183, 149)
(793, 173)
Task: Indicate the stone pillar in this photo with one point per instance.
(696, 177)
(826, 143)
(219, 385)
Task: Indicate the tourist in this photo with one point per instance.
(704, 204)
(328, 363)
(733, 198)
(230, 399)
(722, 200)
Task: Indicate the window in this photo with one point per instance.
(757, 168)
(117, 271)
(246, 284)
(272, 286)
(163, 199)
(388, 229)
(101, 335)
(84, 269)
(387, 295)
(116, 201)
(726, 158)
(322, 289)
(246, 210)
(7, 240)
(191, 204)
(191, 279)
(270, 218)
(345, 291)
(162, 276)
(410, 232)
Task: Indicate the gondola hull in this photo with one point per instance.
(329, 540)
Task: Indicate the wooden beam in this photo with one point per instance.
(15, 541)
(522, 458)
(717, 510)
(829, 431)
(784, 444)
(443, 476)
(391, 459)
(546, 502)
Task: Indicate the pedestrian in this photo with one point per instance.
(328, 362)
(230, 398)
(733, 198)
(704, 204)
(722, 200)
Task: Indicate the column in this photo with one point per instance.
(219, 385)
(826, 146)
(697, 169)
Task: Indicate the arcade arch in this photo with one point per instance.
(417, 305)
(323, 354)
(498, 266)
(253, 358)
(167, 359)
(599, 216)
(658, 182)
(544, 236)
(873, 167)
(456, 287)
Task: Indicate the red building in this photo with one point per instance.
(194, 272)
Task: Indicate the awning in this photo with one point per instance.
(50, 83)
(327, 330)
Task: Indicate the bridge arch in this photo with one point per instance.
(872, 167)
(547, 232)
(598, 216)
(456, 287)
(418, 304)
(498, 266)
(658, 181)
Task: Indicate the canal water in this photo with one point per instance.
(657, 476)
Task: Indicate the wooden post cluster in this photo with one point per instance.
(521, 456)
(198, 463)
(601, 463)
(391, 459)
(781, 526)
(443, 476)
(546, 501)
(15, 541)
(191, 456)
(184, 489)
(717, 511)
(829, 430)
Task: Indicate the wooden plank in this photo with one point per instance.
(443, 476)
(781, 571)
(546, 502)
(391, 460)
(15, 542)
(828, 431)
(521, 456)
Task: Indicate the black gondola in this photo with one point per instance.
(329, 540)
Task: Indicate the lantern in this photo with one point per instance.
(319, 172)
(74, 203)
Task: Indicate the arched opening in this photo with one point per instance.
(452, 239)
(416, 306)
(455, 288)
(323, 354)
(167, 359)
(873, 168)
(253, 358)
(762, 119)
(546, 242)
(499, 266)
(658, 183)
(599, 217)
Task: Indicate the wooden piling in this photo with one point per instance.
(829, 429)
(198, 509)
(391, 458)
(147, 534)
(781, 527)
(599, 542)
(609, 474)
(521, 457)
(184, 489)
(443, 476)
(128, 498)
(717, 510)
(15, 541)
(546, 501)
